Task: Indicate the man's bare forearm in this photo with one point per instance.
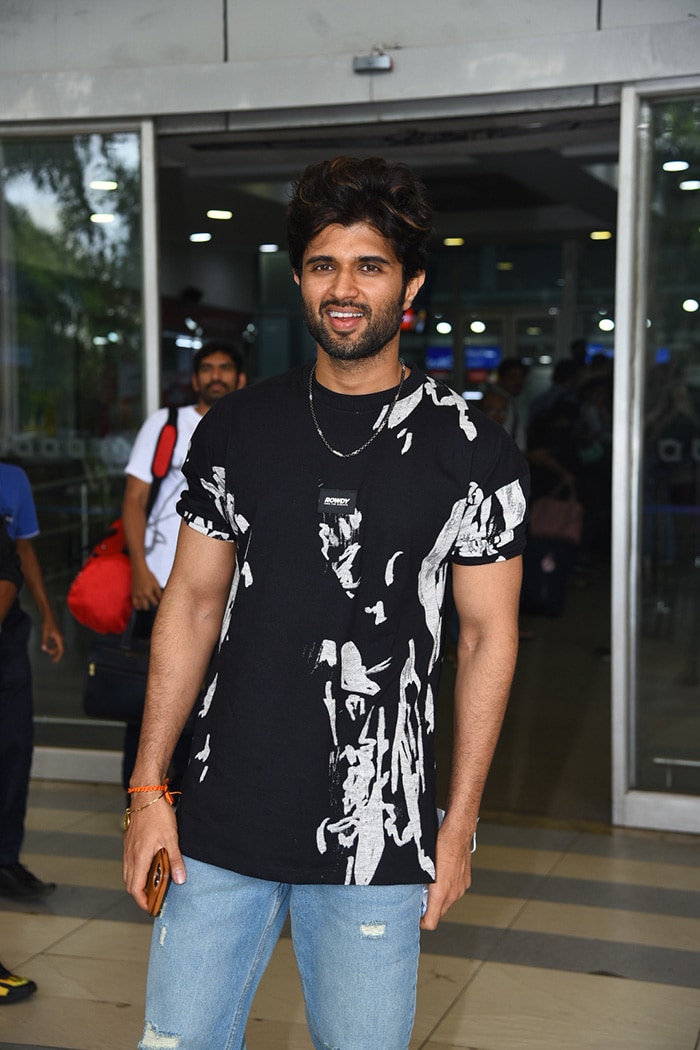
(482, 687)
(186, 630)
(183, 639)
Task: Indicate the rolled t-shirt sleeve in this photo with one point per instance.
(494, 520)
(206, 505)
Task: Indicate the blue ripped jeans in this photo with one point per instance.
(356, 948)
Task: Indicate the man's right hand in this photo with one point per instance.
(149, 830)
(145, 589)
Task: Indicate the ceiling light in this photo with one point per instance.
(101, 218)
(453, 242)
(534, 330)
(443, 327)
(99, 340)
(198, 238)
(504, 266)
(606, 324)
(103, 184)
(689, 184)
(215, 213)
(676, 165)
(600, 235)
(477, 327)
(268, 249)
(690, 305)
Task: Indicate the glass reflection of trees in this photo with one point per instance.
(72, 337)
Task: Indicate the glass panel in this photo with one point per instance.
(535, 339)
(668, 699)
(71, 361)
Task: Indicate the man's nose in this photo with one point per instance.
(344, 283)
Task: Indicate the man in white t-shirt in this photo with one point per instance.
(217, 369)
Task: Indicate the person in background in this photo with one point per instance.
(566, 379)
(12, 987)
(494, 404)
(217, 370)
(18, 513)
(510, 382)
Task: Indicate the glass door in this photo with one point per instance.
(72, 366)
(657, 532)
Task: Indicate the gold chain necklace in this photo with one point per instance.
(347, 455)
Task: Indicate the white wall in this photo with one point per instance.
(336, 27)
(72, 60)
(51, 35)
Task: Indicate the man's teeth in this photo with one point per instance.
(345, 313)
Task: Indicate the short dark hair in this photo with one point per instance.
(217, 346)
(566, 369)
(349, 190)
(510, 364)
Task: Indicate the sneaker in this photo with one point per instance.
(14, 988)
(16, 881)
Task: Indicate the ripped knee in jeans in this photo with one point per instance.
(155, 1039)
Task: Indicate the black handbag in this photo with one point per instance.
(115, 687)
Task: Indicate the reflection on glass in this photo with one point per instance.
(668, 698)
(71, 353)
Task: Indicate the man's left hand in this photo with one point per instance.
(453, 873)
(52, 641)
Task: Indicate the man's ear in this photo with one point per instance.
(242, 380)
(296, 276)
(413, 286)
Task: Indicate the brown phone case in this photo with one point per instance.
(157, 881)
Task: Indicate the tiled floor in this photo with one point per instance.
(573, 936)
(568, 939)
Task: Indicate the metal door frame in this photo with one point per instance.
(634, 808)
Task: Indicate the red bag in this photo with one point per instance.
(100, 595)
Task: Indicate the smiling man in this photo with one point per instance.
(323, 510)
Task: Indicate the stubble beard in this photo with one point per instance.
(208, 396)
(379, 330)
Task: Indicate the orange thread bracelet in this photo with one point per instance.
(169, 795)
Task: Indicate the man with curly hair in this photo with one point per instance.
(323, 510)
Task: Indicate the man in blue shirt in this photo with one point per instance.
(16, 702)
(12, 987)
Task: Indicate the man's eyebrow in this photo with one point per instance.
(313, 259)
(317, 259)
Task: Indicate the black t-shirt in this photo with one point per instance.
(313, 759)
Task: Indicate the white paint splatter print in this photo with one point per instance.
(389, 571)
(203, 757)
(208, 697)
(355, 677)
(339, 547)
(377, 611)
